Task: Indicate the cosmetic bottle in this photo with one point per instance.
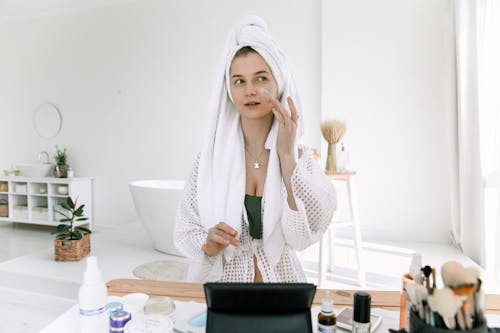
(405, 302)
(92, 300)
(342, 159)
(71, 173)
(361, 313)
(326, 317)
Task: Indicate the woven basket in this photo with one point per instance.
(74, 252)
(4, 210)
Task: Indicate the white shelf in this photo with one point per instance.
(40, 208)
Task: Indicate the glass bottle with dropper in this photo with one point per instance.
(326, 317)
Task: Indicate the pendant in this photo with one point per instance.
(256, 164)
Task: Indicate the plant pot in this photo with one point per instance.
(61, 171)
(72, 250)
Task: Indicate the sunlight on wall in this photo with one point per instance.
(489, 118)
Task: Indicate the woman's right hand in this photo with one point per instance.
(219, 237)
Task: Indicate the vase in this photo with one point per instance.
(61, 171)
(331, 158)
(72, 250)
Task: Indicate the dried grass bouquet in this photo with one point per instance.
(333, 131)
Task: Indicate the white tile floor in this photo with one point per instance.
(34, 289)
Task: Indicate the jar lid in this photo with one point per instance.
(119, 319)
(159, 305)
(114, 307)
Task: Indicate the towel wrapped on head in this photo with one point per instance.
(222, 175)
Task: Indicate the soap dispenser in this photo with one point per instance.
(92, 299)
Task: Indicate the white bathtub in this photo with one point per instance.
(156, 203)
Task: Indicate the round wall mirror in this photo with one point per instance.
(47, 120)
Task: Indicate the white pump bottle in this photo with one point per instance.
(92, 300)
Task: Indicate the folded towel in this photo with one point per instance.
(221, 177)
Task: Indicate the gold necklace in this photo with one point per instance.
(256, 164)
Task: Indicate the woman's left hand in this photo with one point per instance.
(287, 127)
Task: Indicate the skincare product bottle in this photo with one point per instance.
(71, 173)
(405, 302)
(361, 313)
(342, 159)
(92, 299)
(326, 318)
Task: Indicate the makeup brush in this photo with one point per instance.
(421, 295)
(445, 303)
(411, 289)
(427, 270)
(474, 299)
(463, 282)
(455, 275)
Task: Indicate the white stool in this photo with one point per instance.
(348, 178)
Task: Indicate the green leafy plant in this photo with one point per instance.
(60, 156)
(72, 213)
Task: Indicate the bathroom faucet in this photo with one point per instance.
(41, 155)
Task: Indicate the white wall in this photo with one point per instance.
(388, 72)
(132, 80)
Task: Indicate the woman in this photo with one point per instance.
(254, 196)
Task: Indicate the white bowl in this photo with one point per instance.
(35, 170)
(62, 190)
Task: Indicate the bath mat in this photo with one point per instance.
(163, 270)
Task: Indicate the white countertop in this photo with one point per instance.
(43, 179)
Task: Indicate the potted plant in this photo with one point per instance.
(61, 169)
(71, 243)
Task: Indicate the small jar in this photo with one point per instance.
(71, 173)
(150, 323)
(159, 305)
(118, 320)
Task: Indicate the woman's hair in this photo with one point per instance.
(245, 50)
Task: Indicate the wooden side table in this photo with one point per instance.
(353, 222)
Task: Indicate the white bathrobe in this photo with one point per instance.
(216, 189)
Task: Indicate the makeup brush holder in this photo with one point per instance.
(417, 325)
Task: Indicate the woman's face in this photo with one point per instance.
(249, 74)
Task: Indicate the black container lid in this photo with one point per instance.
(362, 305)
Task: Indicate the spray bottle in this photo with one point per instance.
(92, 300)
